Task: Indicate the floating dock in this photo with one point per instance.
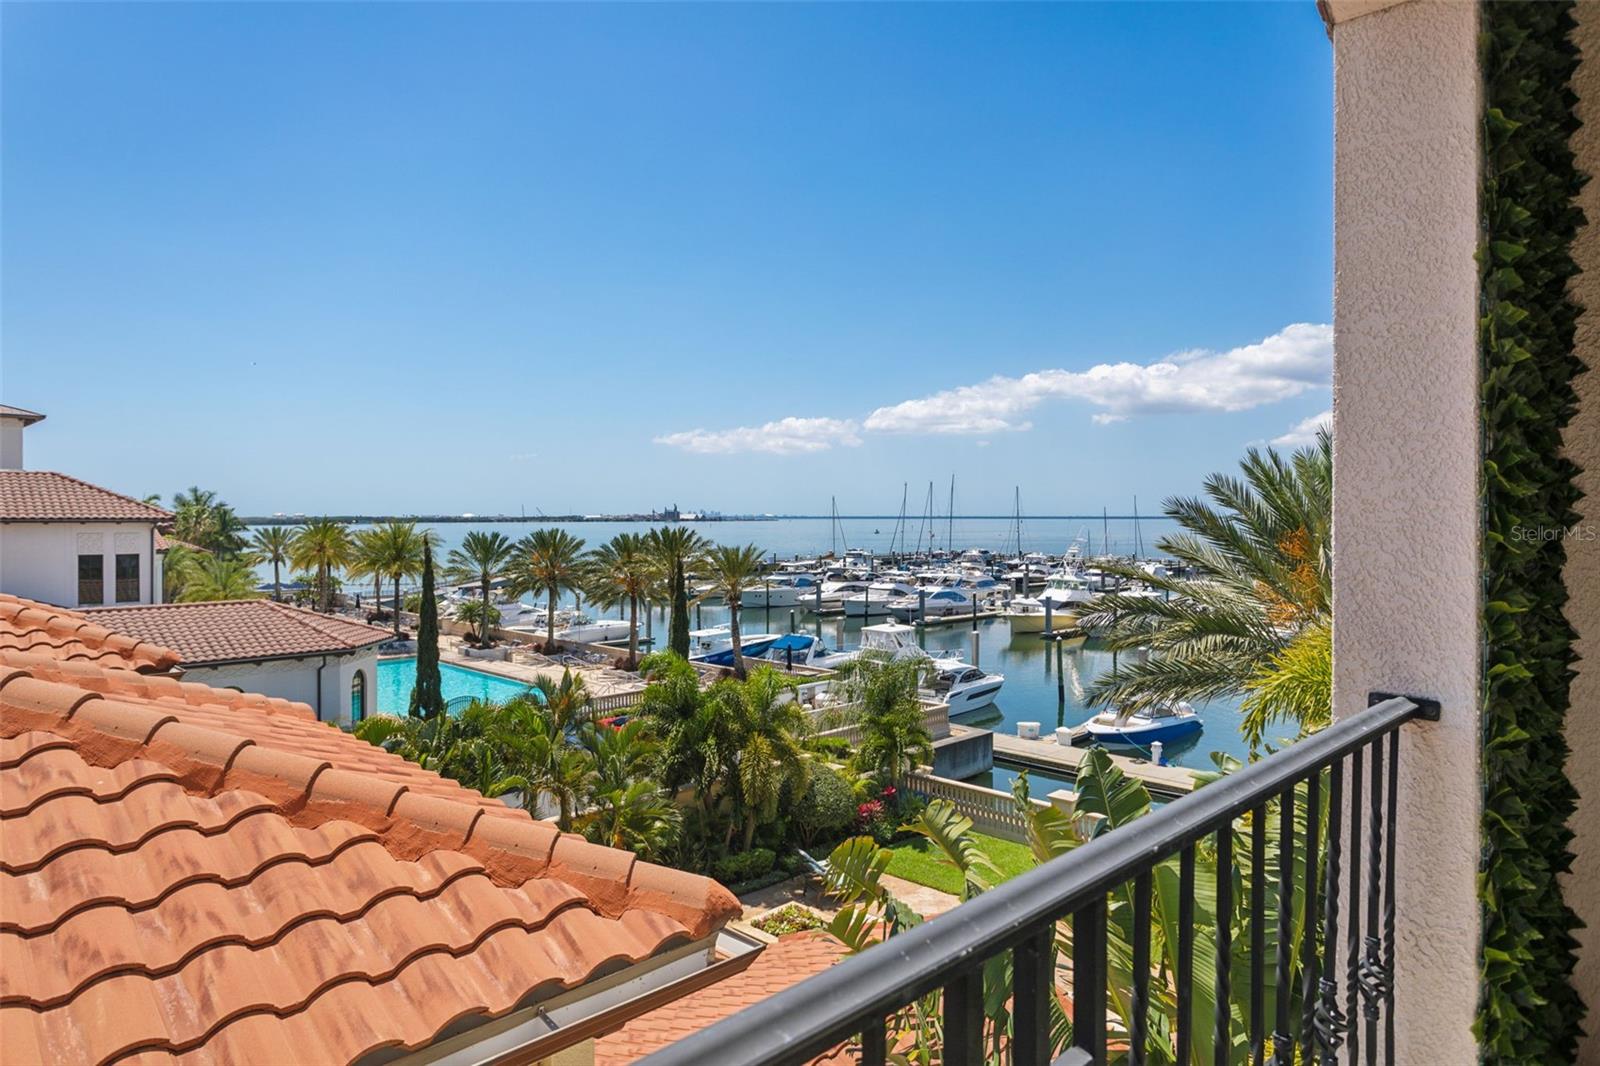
(1058, 760)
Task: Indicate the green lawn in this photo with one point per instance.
(919, 860)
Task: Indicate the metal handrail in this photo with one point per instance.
(820, 1012)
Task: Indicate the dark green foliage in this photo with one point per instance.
(1529, 1012)
(427, 698)
(827, 808)
(744, 866)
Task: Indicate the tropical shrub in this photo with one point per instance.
(826, 808)
(744, 866)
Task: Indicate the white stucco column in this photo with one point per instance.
(1406, 465)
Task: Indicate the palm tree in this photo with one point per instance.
(622, 571)
(760, 752)
(271, 545)
(628, 809)
(547, 561)
(399, 550)
(1262, 547)
(731, 571)
(207, 578)
(322, 546)
(894, 733)
(205, 521)
(540, 758)
(367, 558)
(675, 548)
(482, 557)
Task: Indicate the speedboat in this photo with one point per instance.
(1026, 615)
(873, 601)
(963, 686)
(715, 645)
(960, 600)
(797, 590)
(804, 649)
(1165, 722)
(594, 631)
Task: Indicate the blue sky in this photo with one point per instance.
(591, 257)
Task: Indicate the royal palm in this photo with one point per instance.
(622, 571)
(731, 570)
(271, 545)
(547, 562)
(322, 546)
(481, 559)
(675, 548)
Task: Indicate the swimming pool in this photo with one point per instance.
(397, 677)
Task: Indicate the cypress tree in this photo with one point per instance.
(427, 699)
(678, 638)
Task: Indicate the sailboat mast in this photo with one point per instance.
(950, 519)
(1138, 541)
(1105, 535)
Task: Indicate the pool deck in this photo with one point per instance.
(599, 679)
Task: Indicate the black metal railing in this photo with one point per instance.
(1328, 994)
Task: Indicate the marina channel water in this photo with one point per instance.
(1026, 660)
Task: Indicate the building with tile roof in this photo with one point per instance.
(66, 541)
(791, 960)
(196, 875)
(326, 661)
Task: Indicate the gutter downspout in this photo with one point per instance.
(321, 667)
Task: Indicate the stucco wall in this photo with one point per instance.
(1582, 886)
(296, 679)
(39, 560)
(1406, 518)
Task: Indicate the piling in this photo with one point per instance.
(975, 645)
(1061, 678)
(791, 622)
(1049, 625)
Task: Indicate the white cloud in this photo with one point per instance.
(787, 436)
(1304, 432)
(1292, 361)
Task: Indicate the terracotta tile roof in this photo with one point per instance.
(235, 630)
(791, 960)
(44, 496)
(58, 633)
(207, 876)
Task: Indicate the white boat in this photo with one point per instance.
(595, 631)
(965, 687)
(1165, 722)
(940, 603)
(798, 590)
(1026, 615)
(714, 645)
(873, 601)
(804, 649)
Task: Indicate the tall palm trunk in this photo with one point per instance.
(396, 605)
(483, 624)
(277, 585)
(550, 622)
(633, 632)
(738, 643)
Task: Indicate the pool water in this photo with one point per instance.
(397, 677)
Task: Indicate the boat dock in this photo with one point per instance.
(1058, 760)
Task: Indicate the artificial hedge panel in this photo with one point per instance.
(1529, 1011)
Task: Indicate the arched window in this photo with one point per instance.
(358, 696)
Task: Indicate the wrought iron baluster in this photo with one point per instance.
(1185, 975)
(1089, 978)
(1140, 1036)
(963, 1017)
(1282, 1040)
(1388, 895)
(1328, 1020)
(1308, 924)
(1033, 967)
(1352, 949)
(874, 1042)
(1224, 946)
(1374, 981)
(1258, 934)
